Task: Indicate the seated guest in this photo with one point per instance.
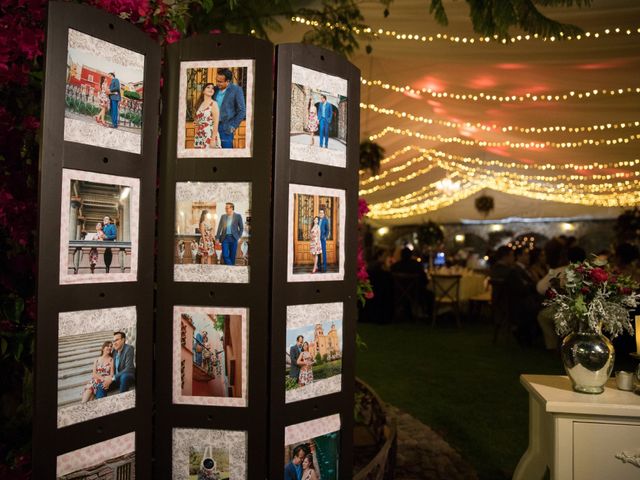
(523, 297)
(557, 258)
(626, 260)
(407, 268)
(538, 267)
(576, 254)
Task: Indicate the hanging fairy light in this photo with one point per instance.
(492, 128)
(506, 143)
(462, 39)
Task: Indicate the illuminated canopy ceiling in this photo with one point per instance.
(549, 128)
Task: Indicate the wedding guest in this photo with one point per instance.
(230, 99)
(102, 368)
(537, 264)
(293, 470)
(312, 121)
(304, 362)
(557, 258)
(206, 120)
(206, 238)
(576, 254)
(626, 260)
(103, 100)
(315, 246)
(524, 299)
(308, 468)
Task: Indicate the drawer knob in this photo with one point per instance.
(632, 458)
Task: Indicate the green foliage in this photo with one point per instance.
(132, 94)
(83, 108)
(134, 118)
(318, 359)
(327, 370)
(495, 17)
(290, 383)
(219, 323)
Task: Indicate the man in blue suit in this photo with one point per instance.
(324, 234)
(229, 232)
(124, 367)
(294, 354)
(293, 469)
(230, 99)
(325, 115)
(114, 99)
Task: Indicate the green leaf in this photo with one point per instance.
(3, 345)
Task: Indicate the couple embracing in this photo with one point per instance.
(302, 466)
(114, 370)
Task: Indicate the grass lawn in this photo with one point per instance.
(458, 383)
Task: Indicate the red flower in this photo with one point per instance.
(599, 275)
(585, 290)
(368, 295)
(172, 36)
(363, 208)
(625, 290)
(551, 294)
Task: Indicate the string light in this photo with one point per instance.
(507, 143)
(393, 183)
(504, 165)
(493, 128)
(482, 96)
(396, 169)
(464, 40)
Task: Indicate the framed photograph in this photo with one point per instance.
(212, 232)
(316, 234)
(96, 363)
(98, 228)
(113, 458)
(103, 94)
(318, 131)
(315, 446)
(215, 116)
(200, 454)
(314, 350)
(210, 356)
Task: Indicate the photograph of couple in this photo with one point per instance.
(99, 228)
(312, 449)
(96, 363)
(216, 109)
(318, 131)
(103, 94)
(314, 351)
(316, 230)
(209, 361)
(114, 458)
(212, 230)
(202, 454)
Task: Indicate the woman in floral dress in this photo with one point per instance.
(93, 253)
(205, 246)
(304, 362)
(206, 120)
(102, 367)
(103, 99)
(312, 122)
(315, 247)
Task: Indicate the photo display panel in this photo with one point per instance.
(314, 262)
(214, 258)
(94, 336)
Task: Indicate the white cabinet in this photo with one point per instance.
(578, 436)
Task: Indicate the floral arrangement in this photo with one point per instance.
(484, 204)
(364, 289)
(594, 298)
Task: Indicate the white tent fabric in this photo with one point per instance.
(535, 67)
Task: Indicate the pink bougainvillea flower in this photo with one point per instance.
(172, 36)
(369, 295)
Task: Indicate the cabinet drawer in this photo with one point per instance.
(595, 446)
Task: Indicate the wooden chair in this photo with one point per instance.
(446, 290)
(407, 296)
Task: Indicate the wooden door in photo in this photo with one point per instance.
(306, 207)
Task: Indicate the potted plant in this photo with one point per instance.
(588, 299)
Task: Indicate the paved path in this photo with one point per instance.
(425, 455)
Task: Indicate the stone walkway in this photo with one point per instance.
(424, 455)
